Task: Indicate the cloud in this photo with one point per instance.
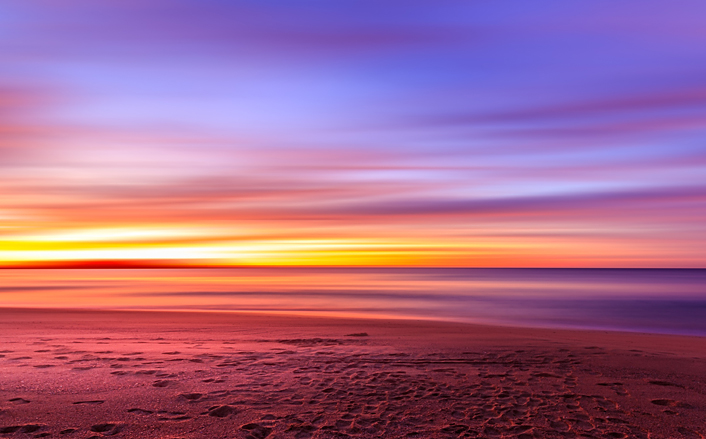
(556, 205)
(584, 121)
(127, 28)
(19, 131)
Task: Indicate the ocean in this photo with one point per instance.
(669, 301)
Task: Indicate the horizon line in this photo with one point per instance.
(187, 264)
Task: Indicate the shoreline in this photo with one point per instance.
(334, 316)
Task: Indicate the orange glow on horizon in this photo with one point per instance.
(199, 247)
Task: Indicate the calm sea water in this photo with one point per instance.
(660, 301)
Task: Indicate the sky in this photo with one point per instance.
(354, 132)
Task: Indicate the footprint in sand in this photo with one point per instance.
(107, 429)
(545, 375)
(670, 403)
(256, 431)
(161, 383)
(301, 431)
(665, 384)
(213, 380)
(221, 411)
(172, 416)
(559, 426)
(19, 401)
(28, 428)
(689, 433)
(95, 401)
(166, 375)
(456, 429)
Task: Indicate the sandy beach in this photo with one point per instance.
(94, 374)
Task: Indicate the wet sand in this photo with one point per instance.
(96, 374)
